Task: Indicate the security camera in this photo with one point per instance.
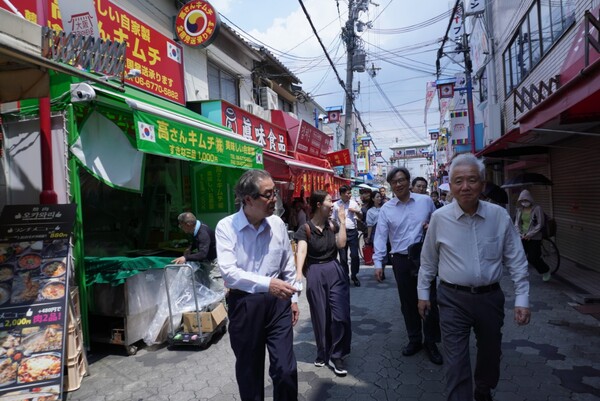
(82, 92)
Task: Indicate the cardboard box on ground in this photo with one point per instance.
(209, 320)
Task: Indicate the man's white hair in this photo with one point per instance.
(468, 159)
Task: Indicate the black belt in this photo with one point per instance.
(400, 255)
(473, 290)
(319, 262)
(238, 292)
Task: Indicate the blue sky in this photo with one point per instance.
(404, 61)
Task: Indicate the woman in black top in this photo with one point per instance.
(327, 284)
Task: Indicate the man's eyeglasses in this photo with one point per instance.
(269, 196)
(398, 181)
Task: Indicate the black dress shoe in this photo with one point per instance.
(356, 282)
(483, 396)
(411, 349)
(433, 353)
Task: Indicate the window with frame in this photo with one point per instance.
(542, 26)
(222, 85)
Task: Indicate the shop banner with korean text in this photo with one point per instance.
(166, 137)
(34, 278)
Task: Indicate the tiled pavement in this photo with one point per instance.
(555, 358)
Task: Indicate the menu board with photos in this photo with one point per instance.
(34, 276)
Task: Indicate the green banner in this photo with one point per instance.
(162, 136)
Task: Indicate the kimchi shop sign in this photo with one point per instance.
(34, 277)
(158, 58)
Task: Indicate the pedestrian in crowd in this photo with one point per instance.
(203, 245)
(352, 213)
(403, 220)
(297, 216)
(468, 243)
(382, 192)
(419, 185)
(327, 285)
(529, 222)
(257, 265)
(365, 205)
(372, 216)
(443, 198)
(435, 198)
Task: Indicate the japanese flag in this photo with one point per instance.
(146, 132)
(174, 52)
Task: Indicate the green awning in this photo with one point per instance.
(167, 129)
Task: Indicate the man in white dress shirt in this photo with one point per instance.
(257, 265)
(468, 243)
(401, 221)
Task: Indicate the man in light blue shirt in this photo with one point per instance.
(257, 265)
(468, 243)
(402, 220)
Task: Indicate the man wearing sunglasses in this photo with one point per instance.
(257, 265)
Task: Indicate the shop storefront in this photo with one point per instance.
(296, 162)
(557, 137)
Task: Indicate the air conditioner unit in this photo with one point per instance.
(255, 109)
(268, 98)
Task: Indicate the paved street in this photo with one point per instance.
(555, 358)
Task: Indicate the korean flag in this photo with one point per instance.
(174, 52)
(146, 132)
(259, 158)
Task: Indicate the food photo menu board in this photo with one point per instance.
(34, 288)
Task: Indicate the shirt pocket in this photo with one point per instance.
(272, 260)
(492, 248)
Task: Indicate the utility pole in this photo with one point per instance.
(469, 83)
(350, 38)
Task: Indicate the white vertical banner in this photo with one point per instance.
(429, 95)
(459, 125)
(457, 28)
(79, 17)
(475, 6)
(361, 165)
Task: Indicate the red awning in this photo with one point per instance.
(512, 144)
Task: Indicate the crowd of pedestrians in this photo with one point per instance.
(447, 260)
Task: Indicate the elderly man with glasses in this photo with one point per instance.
(257, 264)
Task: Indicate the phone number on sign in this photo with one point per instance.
(158, 88)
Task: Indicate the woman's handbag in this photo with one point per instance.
(368, 251)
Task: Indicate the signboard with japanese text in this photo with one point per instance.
(158, 58)
(165, 137)
(197, 23)
(312, 141)
(269, 136)
(340, 158)
(214, 188)
(34, 277)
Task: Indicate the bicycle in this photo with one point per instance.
(550, 254)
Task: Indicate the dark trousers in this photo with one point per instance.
(460, 312)
(352, 243)
(256, 320)
(406, 280)
(533, 250)
(328, 295)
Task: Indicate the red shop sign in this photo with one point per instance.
(158, 58)
(269, 136)
(312, 141)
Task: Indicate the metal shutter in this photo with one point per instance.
(576, 199)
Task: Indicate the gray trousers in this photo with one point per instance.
(460, 312)
(328, 295)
